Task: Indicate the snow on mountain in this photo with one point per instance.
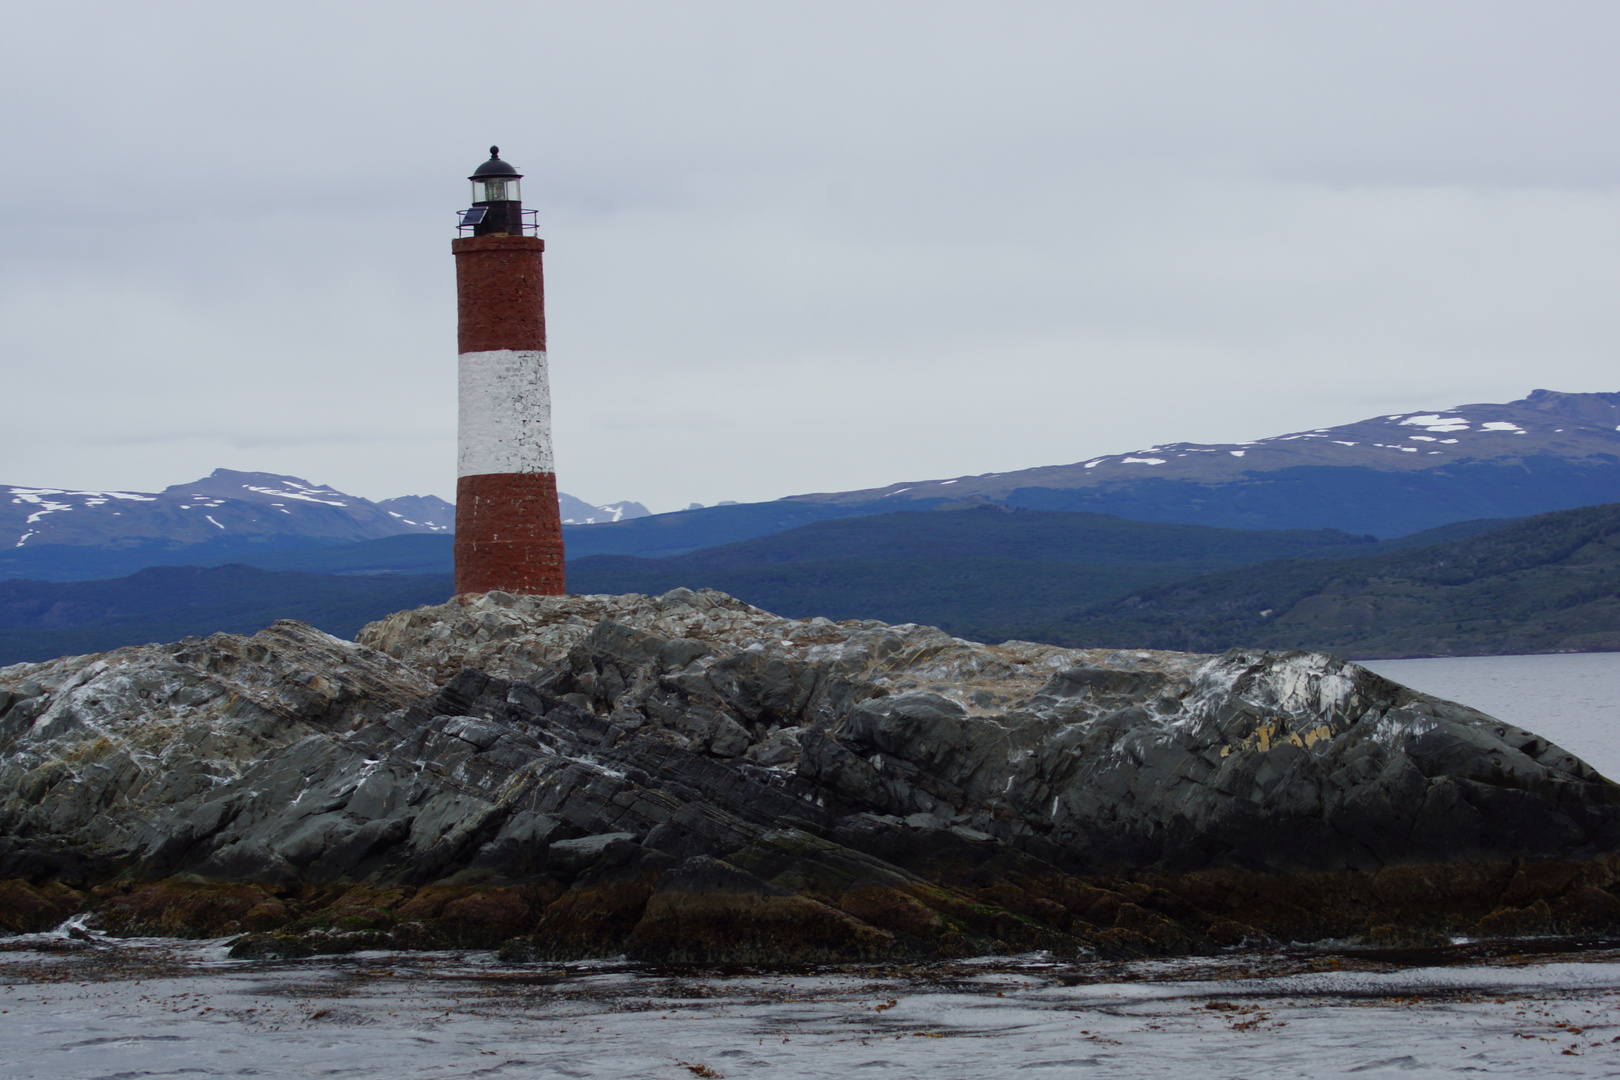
(579, 512)
(422, 511)
(226, 503)
(1573, 428)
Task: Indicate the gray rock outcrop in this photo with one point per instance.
(687, 777)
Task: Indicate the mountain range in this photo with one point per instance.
(990, 573)
(226, 503)
(1540, 584)
(1181, 563)
(1580, 429)
(1549, 583)
(65, 534)
(579, 512)
(1386, 476)
(1389, 476)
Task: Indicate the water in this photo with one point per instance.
(1569, 698)
(161, 1009)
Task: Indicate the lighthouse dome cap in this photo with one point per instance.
(494, 166)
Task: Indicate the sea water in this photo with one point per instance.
(1573, 699)
(96, 1009)
(86, 1006)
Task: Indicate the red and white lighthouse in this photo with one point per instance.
(508, 529)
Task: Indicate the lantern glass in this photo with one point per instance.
(496, 189)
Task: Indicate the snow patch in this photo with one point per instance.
(1237, 453)
(26, 494)
(1436, 422)
(47, 507)
(303, 495)
(1503, 425)
(1142, 461)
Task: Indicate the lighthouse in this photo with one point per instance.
(508, 529)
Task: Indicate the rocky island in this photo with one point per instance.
(686, 778)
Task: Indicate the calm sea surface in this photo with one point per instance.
(1572, 699)
(104, 1010)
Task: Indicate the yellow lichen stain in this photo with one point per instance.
(89, 752)
(1269, 735)
(1311, 737)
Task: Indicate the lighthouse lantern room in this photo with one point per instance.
(497, 199)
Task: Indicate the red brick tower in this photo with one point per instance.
(508, 529)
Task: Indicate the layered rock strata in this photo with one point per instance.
(687, 778)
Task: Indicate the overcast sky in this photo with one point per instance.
(793, 247)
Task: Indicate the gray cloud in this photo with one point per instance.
(793, 248)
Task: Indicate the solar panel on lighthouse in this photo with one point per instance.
(474, 216)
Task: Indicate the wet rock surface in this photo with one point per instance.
(689, 779)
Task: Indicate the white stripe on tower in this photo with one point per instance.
(505, 413)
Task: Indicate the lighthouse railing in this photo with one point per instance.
(528, 224)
